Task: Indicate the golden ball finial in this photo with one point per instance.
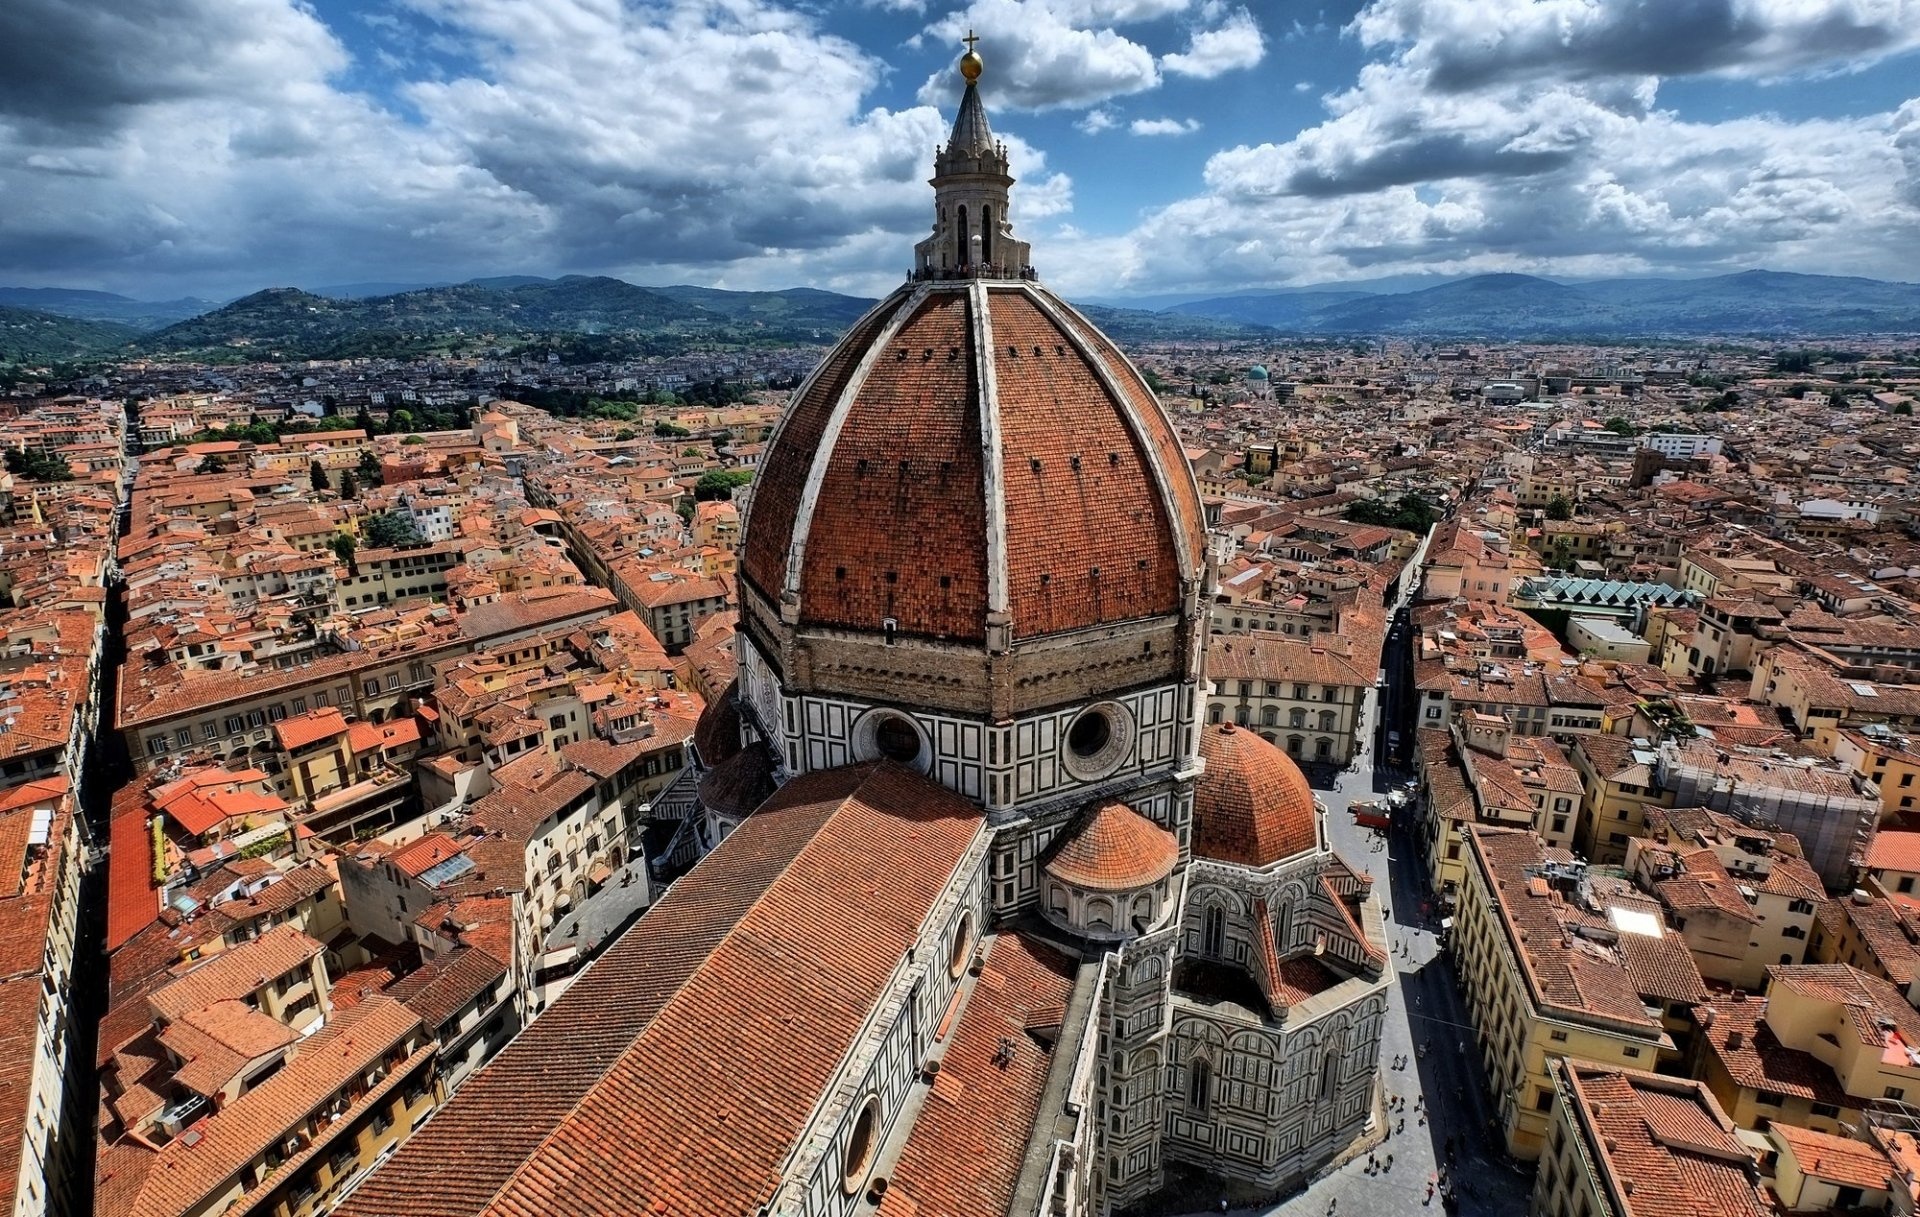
(970, 64)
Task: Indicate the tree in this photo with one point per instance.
(1620, 426)
(667, 428)
(39, 466)
(400, 421)
(349, 486)
(363, 421)
(720, 484)
(369, 467)
(1904, 409)
(1412, 513)
(1559, 507)
(391, 530)
(343, 547)
(317, 475)
(213, 462)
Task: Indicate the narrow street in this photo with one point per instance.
(1438, 1098)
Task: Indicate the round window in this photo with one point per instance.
(861, 1142)
(962, 945)
(895, 739)
(1097, 741)
(1089, 734)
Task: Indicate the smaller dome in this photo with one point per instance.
(1116, 850)
(716, 736)
(1252, 806)
(738, 785)
(1257, 372)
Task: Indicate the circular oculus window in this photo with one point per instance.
(961, 948)
(891, 735)
(1098, 740)
(861, 1144)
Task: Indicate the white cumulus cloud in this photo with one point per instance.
(1235, 44)
(1164, 126)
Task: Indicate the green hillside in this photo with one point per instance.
(30, 337)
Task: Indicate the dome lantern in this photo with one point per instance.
(972, 236)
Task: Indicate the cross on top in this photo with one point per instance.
(970, 39)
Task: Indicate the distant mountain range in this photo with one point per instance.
(103, 306)
(600, 317)
(1754, 303)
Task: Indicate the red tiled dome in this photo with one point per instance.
(1253, 805)
(716, 736)
(973, 448)
(738, 785)
(1116, 850)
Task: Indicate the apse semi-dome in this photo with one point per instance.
(1252, 806)
(975, 461)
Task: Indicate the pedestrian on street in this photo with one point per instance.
(1402, 1127)
(1389, 1161)
(1429, 1199)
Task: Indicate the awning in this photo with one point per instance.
(599, 873)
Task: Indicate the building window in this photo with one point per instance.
(961, 945)
(1214, 931)
(1199, 1086)
(861, 1144)
(1630, 1052)
(1769, 1098)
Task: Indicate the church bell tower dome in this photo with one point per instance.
(975, 463)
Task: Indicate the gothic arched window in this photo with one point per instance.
(961, 256)
(1199, 1085)
(986, 233)
(1213, 934)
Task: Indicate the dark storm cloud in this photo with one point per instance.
(1464, 45)
(1425, 159)
(77, 68)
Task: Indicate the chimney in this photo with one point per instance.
(1735, 1039)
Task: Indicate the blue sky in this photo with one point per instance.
(212, 147)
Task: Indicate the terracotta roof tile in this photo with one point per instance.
(607, 1101)
(1115, 849)
(964, 1155)
(1252, 806)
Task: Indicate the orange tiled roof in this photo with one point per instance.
(309, 728)
(964, 1154)
(1252, 805)
(734, 999)
(236, 972)
(1115, 849)
(1841, 1160)
(1666, 1144)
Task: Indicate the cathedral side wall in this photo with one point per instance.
(884, 1062)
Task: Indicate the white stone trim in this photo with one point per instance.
(830, 438)
(991, 470)
(780, 424)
